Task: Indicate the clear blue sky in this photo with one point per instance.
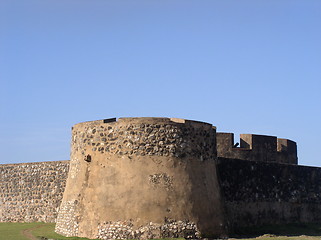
(244, 66)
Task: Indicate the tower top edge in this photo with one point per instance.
(140, 120)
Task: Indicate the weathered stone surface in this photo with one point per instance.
(257, 148)
(258, 192)
(169, 229)
(137, 139)
(147, 178)
(32, 192)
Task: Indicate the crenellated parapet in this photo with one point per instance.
(257, 148)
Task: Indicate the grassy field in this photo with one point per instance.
(281, 232)
(20, 231)
(271, 237)
(14, 231)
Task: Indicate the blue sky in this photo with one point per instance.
(244, 66)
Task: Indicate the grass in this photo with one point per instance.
(48, 231)
(281, 232)
(13, 231)
(271, 237)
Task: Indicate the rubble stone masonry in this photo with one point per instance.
(257, 193)
(32, 192)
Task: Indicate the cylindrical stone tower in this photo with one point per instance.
(142, 178)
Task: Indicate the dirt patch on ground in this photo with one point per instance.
(27, 232)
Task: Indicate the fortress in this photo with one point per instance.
(162, 177)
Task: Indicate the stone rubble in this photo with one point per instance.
(145, 139)
(125, 230)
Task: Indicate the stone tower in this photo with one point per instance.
(142, 178)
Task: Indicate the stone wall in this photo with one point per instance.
(257, 148)
(257, 193)
(142, 178)
(32, 192)
(162, 177)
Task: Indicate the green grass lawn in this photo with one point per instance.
(272, 237)
(281, 232)
(48, 231)
(13, 231)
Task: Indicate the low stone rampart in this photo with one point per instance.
(32, 192)
(253, 192)
(257, 193)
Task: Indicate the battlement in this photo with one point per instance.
(257, 148)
